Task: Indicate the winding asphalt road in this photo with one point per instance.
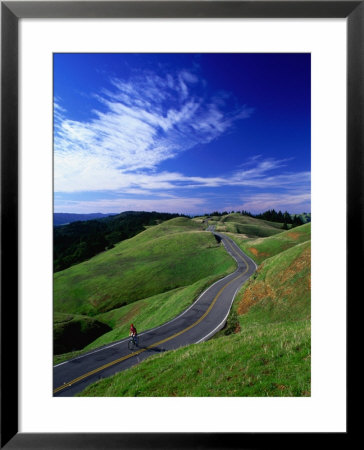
(205, 317)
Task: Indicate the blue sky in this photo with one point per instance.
(186, 133)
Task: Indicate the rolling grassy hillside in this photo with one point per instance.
(280, 289)
(256, 362)
(245, 225)
(149, 279)
(146, 313)
(247, 220)
(155, 261)
(261, 249)
(82, 239)
(267, 355)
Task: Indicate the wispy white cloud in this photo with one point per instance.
(58, 113)
(138, 125)
(294, 202)
(87, 168)
(180, 205)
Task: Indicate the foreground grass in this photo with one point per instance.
(158, 260)
(262, 360)
(268, 354)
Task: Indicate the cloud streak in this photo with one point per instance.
(295, 202)
(182, 205)
(139, 124)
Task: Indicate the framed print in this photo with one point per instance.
(54, 55)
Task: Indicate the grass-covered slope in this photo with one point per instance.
(261, 249)
(148, 280)
(146, 313)
(266, 361)
(280, 289)
(247, 220)
(160, 259)
(177, 225)
(83, 239)
(246, 225)
(268, 355)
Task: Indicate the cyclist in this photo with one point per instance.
(133, 332)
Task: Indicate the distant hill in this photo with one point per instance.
(66, 218)
(242, 224)
(81, 240)
(271, 217)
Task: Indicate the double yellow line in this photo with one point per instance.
(116, 361)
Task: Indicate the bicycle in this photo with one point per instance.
(132, 343)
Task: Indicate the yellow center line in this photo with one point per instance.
(116, 361)
(234, 251)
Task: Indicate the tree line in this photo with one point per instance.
(294, 220)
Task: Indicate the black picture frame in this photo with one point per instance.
(11, 12)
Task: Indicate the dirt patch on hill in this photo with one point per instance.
(253, 295)
(288, 283)
(253, 250)
(258, 253)
(294, 235)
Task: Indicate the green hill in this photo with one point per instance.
(153, 262)
(261, 249)
(149, 278)
(82, 239)
(245, 225)
(146, 313)
(267, 355)
(172, 226)
(280, 289)
(247, 220)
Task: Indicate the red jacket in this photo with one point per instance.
(133, 330)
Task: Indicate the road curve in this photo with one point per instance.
(205, 317)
